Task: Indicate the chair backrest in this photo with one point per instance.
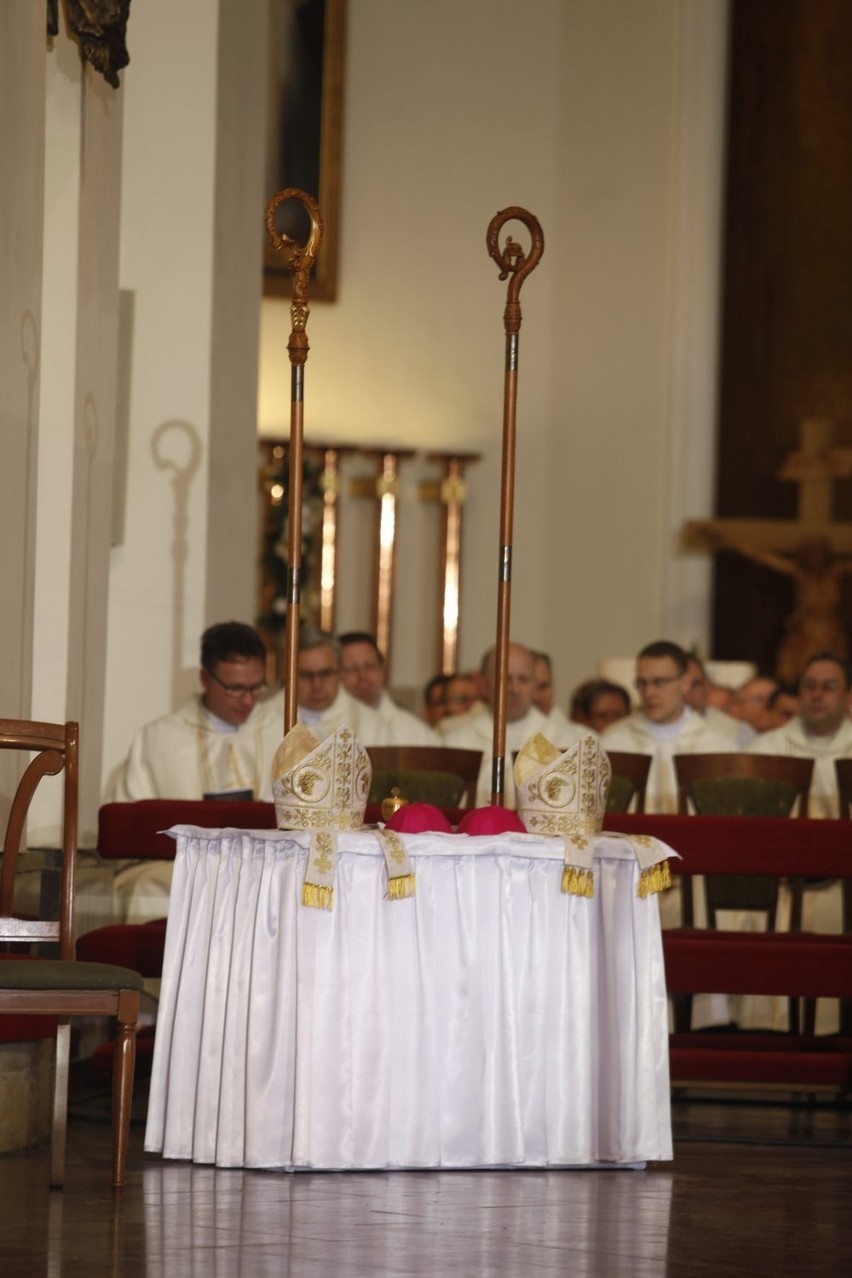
(743, 785)
(55, 747)
(629, 780)
(136, 828)
(739, 784)
(428, 774)
(843, 769)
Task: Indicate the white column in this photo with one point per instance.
(694, 311)
(22, 62)
(191, 244)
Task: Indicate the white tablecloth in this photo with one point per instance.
(490, 1020)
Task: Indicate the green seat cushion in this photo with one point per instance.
(442, 789)
(743, 796)
(620, 794)
(741, 891)
(58, 974)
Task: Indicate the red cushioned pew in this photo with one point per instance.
(793, 964)
(136, 832)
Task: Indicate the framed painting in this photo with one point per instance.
(304, 132)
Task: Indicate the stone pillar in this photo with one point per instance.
(22, 40)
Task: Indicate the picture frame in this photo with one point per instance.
(305, 133)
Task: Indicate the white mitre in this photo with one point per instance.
(564, 794)
(321, 787)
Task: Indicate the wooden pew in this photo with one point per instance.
(794, 964)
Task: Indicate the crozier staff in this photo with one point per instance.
(300, 259)
(515, 264)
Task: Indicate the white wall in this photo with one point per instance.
(156, 606)
(56, 434)
(574, 110)
(22, 146)
(600, 116)
(192, 174)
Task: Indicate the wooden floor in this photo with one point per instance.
(752, 1190)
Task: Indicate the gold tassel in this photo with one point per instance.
(578, 882)
(655, 879)
(401, 887)
(318, 898)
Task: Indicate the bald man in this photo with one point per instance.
(476, 731)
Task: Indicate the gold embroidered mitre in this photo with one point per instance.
(321, 787)
(564, 793)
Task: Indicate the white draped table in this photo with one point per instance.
(487, 1021)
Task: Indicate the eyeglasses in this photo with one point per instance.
(821, 685)
(642, 685)
(237, 690)
(330, 673)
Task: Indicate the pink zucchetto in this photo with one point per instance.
(491, 820)
(419, 818)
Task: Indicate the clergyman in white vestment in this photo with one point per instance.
(363, 673)
(821, 731)
(664, 726)
(476, 731)
(324, 706)
(221, 741)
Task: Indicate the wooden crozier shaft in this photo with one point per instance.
(300, 259)
(515, 265)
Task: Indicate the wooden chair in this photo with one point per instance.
(740, 784)
(61, 986)
(426, 774)
(843, 769)
(629, 780)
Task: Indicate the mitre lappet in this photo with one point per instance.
(322, 787)
(564, 794)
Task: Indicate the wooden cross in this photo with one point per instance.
(814, 466)
(814, 549)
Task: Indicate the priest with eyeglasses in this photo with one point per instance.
(821, 731)
(664, 725)
(220, 742)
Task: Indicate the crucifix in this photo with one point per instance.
(814, 549)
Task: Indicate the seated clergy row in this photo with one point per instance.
(222, 740)
(665, 725)
(670, 721)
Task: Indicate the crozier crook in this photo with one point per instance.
(515, 265)
(300, 259)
